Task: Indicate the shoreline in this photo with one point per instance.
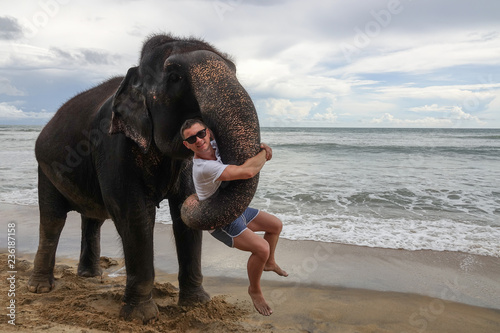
(328, 283)
(453, 276)
(92, 305)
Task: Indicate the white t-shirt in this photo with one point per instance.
(206, 173)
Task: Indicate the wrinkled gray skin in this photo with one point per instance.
(115, 152)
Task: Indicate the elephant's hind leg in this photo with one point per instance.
(90, 248)
(53, 212)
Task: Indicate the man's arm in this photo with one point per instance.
(250, 168)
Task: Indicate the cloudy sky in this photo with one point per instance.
(329, 63)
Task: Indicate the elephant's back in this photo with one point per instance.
(75, 118)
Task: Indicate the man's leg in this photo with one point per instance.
(272, 226)
(248, 241)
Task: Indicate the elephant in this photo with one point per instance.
(115, 152)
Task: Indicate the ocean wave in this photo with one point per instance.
(27, 197)
(395, 233)
(390, 188)
(480, 137)
(21, 128)
(425, 150)
(407, 234)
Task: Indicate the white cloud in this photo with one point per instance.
(494, 106)
(11, 113)
(285, 112)
(6, 88)
(293, 74)
(460, 94)
(328, 117)
(24, 56)
(287, 52)
(389, 119)
(452, 116)
(427, 54)
(428, 108)
(452, 112)
(457, 113)
(287, 109)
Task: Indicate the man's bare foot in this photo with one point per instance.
(275, 268)
(260, 303)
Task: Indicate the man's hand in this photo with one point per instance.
(269, 151)
(250, 168)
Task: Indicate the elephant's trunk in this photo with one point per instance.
(228, 111)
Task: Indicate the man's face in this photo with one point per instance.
(201, 144)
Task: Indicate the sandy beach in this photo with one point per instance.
(331, 287)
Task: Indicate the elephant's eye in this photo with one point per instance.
(174, 77)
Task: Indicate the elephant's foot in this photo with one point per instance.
(89, 271)
(41, 283)
(146, 311)
(193, 296)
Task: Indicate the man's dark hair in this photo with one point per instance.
(190, 122)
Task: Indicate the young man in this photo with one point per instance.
(208, 173)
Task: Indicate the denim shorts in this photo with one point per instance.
(227, 234)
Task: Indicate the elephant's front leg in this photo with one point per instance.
(137, 238)
(188, 244)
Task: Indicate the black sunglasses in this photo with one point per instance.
(201, 134)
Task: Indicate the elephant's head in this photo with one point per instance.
(182, 79)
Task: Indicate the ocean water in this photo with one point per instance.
(413, 189)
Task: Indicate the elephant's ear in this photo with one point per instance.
(130, 113)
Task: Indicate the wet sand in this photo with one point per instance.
(331, 287)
